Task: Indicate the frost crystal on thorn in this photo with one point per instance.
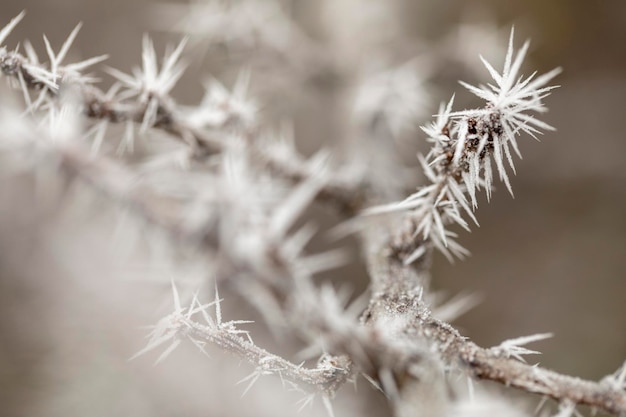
(618, 379)
(151, 84)
(514, 347)
(465, 146)
(220, 107)
(510, 104)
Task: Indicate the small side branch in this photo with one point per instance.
(326, 378)
(400, 291)
(495, 365)
(330, 373)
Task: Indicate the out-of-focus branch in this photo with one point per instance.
(328, 376)
(347, 196)
(117, 184)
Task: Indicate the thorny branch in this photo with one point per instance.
(347, 196)
(398, 340)
(395, 290)
(330, 373)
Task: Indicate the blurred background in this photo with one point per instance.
(553, 259)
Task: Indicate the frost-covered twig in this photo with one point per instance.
(239, 198)
(561, 388)
(329, 374)
(146, 101)
(465, 145)
(397, 294)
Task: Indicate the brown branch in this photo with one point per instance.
(397, 290)
(396, 293)
(482, 364)
(486, 364)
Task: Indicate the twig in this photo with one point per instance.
(347, 196)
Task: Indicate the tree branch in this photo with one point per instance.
(347, 196)
(394, 295)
